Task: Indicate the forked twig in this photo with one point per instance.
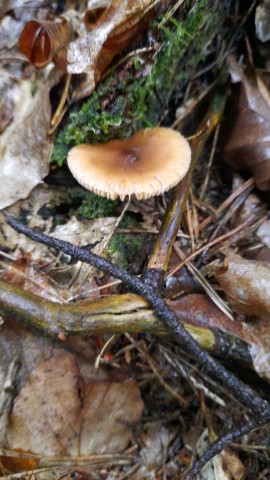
(241, 391)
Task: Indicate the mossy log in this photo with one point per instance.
(149, 78)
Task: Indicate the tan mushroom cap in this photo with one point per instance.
(148, 163)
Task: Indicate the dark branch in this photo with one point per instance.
(244, 393)
(241, 391)
(223, 442)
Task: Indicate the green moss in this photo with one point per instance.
(96, 207)
(90, 205)
(126, 250)
(121, 105)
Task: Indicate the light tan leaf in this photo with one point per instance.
(227, 466)
(7, 5)
(83, 233)
(24, 146)
(264, 233)
(40, 197)
(246, 283)
(61, 411)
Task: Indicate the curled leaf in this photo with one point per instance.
(24, 146)
(197, 309)
(246, 284)
(246, 134)
(113, 29)
(48, 41)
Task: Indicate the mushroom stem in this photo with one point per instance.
(178, 197)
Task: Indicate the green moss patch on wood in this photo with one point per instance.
(130, 99)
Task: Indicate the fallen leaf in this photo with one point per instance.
(113, 29)
(86, 232)
(154, 442)
(246, 137)
(9, 90)
(197, 309)
(262, 21)
(43, 42)
(24, 146)
(246, 284)
(63, 410)
(16, 463)
(7, 5)
(260, 349)
(42, 197)
(263, 233)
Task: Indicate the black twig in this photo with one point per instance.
(244, 393)
(241, 391)
(216, 447)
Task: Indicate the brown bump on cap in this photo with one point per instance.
(148, 163)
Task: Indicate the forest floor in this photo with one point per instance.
(97, 380)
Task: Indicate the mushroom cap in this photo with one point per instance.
(148, 163)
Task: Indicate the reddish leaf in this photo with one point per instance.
(43, 42)
(16, 464)
(199, 310)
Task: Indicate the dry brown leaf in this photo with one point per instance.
(24, 146)
(40, 198)
(155, 441)
(199, 310)
(246, 284)
(258, 336)
(9, 90)
(16, 464)
(114, 27)
(246, 135)
(64, 411)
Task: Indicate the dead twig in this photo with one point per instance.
(241, 391)
(223, 442)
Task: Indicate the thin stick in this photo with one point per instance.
(160, 378)
(210, 244)
(58, 114)
(212, 154)
(219, 445)
(178, 196)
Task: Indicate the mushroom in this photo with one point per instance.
(148, 163)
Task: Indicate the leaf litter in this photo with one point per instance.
(61, 412)
(58, 380)
(25, 148)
